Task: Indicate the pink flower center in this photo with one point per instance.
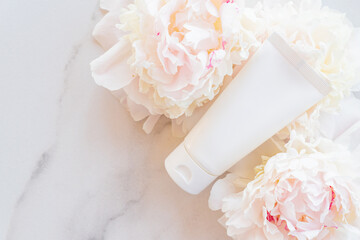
(302, 218)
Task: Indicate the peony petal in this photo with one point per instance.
(211, 8)
(222, 188)
(106, 32)
(138, 112)
(150, 122)
(133, 93)
(110, 70)
(201, 36)
(149, 6)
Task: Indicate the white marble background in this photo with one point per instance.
(73, 165)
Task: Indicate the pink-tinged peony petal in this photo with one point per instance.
(211, 8)
(106, 32)
(333, 195)
(228, 13)
(201, 35)
(165, 13)
(110, 70)
(171, 55)
(150, 123)
(312, 234)
(222, 188)
(270, 218)
(138, 112)
(133, 93)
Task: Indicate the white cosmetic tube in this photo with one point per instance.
(272, 89)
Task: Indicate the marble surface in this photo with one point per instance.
(73, 164)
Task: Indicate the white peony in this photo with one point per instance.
(308, 192)
(170, 57)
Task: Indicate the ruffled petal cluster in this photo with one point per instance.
(170, 57)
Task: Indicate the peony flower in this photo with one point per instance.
(170, 57)
(308, 192)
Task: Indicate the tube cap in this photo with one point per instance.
(185, 172)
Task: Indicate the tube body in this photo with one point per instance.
(273, 88)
